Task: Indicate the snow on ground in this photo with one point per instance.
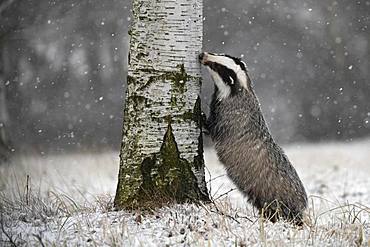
(66, 200)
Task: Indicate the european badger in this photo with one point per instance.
(244, 145)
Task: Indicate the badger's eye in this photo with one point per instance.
(231, 81)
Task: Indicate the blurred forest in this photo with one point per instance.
(63, 68)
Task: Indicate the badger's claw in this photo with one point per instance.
(205, 127)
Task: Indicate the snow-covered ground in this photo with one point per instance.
(66, 200)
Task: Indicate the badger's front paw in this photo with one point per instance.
(205, 127)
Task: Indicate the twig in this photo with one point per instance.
(218, 211)
(223, 214)
(38, 237)
(244, 217)
(262, 229)
(28, 190)
(10, 238)
(225, 194)
(219, 176)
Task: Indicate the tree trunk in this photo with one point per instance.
(5, 149)
(162, 148)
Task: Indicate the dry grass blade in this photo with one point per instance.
(69, 209)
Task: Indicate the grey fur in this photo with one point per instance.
(253, 161)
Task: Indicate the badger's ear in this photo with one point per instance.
(244, 65)
(246, 82)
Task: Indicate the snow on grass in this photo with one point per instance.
(67, 200)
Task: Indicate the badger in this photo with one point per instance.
(252, 159)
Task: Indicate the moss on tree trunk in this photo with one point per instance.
(164, 177)
(161, 157)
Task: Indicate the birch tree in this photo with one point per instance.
(161, 158)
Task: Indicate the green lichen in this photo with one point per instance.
(173, 101)
(131, 80)
(137, 99)
(164, 178)
(193, 115)
(130, 32)
(177, 78)
(129, 180)
(140, 55)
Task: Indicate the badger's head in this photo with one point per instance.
(228, 73)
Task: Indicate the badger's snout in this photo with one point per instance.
(202, 57)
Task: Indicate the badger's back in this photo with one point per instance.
(254, 162)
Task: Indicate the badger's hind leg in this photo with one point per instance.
(276, 210)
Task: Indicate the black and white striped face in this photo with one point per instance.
(228, 73)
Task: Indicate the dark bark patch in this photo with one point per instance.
(165, 178)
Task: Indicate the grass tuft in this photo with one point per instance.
(68, 201)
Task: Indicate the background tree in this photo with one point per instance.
(65, 61)
(5, 148)
(162, 152)
(64, 64)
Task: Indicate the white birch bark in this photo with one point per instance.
(163, 85)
